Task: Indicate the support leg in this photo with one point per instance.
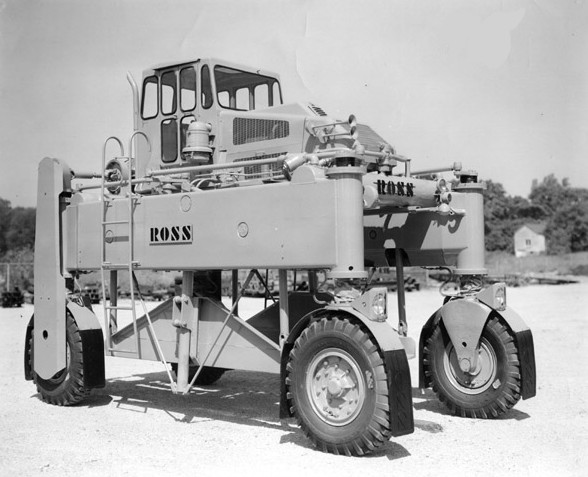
(284, 311)
(402, 325)
(184, 334)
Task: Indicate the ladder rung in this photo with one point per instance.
(112, 222)
(119, 266)
(112, 307)
(114, 350)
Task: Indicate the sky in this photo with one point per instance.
(500, 86)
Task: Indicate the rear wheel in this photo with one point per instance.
(337, 387)
(487, 392)
(67, 386)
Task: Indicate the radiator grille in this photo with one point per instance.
(369, 138)
(248, 130)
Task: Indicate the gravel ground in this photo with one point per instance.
(136, 426)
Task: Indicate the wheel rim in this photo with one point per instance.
(481, 378)
(335, 387)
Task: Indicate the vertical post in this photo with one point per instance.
(54, 183)
(110, 317)
(402, 325)
(8, 277)
(235, 290)
(184, 333)
(312, 281)
(284, 309)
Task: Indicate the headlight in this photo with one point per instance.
(372, 304)
(494, 296)
(379, 306)
(500, 298)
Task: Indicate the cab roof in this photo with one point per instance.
(211, 61)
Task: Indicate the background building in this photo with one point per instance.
(529, 239)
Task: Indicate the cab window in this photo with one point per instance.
(206, 87)
(243, 90)
(169, 140)
(168, 92)
(187, 89)
(149, 107)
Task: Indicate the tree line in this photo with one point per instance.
(17, 229)
(17, 241)
(562, 208)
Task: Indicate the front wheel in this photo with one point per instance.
(488, 391)
(337, 387)
(66, 387)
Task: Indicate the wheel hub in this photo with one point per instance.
(474, 381)
(335, 387)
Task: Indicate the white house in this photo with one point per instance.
(529, 239)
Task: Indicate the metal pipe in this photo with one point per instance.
(226, 320)
(113, 284)
(112, 184)
(284, 307)
(154, 338)
(402, 325)
(330, 124)
(87, 175)
(456, 166)
(212, 167)
(136, 133)
(235, 289)
(131, 81)
(184, 336)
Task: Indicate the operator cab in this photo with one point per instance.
(175, 95)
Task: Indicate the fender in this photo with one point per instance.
(399, 383)
(92, 345)
(472, 315)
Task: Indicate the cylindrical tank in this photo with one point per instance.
(349, 229)
(197, 150)
(470, 261)
(381, 190)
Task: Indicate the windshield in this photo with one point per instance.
(244, 91)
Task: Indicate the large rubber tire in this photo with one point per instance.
(208, 376)
(337, 387)
(67, 386)
(495, 385)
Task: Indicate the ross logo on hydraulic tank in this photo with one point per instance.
(170, 235)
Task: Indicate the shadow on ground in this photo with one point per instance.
(240, 397)
(427, 400)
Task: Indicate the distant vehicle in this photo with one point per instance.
(162, 294)
(13, 298)
(93, 292)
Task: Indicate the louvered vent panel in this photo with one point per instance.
(317, 110)
(248, 130)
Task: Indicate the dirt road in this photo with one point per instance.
(136, 426)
